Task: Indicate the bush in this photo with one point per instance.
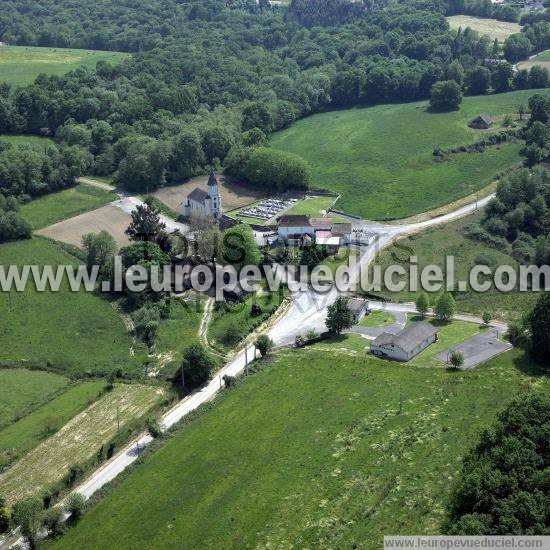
(264, 344)
(53, 521)
(229, 381)
(255, 310)
(75, 506)
(197, 366)
(153, 427)
(232, 335)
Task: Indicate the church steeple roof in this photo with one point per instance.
(212, 180)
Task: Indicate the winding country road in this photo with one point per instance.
(308, 310)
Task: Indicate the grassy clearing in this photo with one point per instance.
(20, 140)
(542, 59)
(20, 65)
(500, 30)
(380, 159)
(377, 319)
(312, 206)
(77, 441)
(431, 248)
(233, 321)
(23, 435)
(178, 332)
(22, 391)
(308, 453)
(65, 204)
(70, 332)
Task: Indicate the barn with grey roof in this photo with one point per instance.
(406, 344)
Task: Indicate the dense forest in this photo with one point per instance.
(207, 73)
(504, 484)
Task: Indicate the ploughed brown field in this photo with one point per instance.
(234, 195)
(108, 218)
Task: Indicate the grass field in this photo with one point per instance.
(312, 206)
(72, 332)
(307, 455)
(542, 59)
(26, 433)
(377, 319)
(77, 441)
(22, 391)
(20, 65)
(109, 218)
(233, 321)
(431, 248)
(65, 204)
(380, 159)
(21, 139)
(178, 332)
(500, 30)
(449, 334)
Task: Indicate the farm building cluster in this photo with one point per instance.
(300, 230)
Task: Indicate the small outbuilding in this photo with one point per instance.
(481, 122)
(406, 344)
(358, 308)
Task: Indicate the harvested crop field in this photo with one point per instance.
(234, 195)
(542, 60)
(108, 218)
(500, 30)
(79, 440)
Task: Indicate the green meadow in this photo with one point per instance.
(22, 391)
(64, 204)
(70, 332)
(431, 248)
(380, 159)
(319, 449)
(26, 433)
(22, 139)
(20, 65)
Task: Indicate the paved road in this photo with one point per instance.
(129, 203)
(400, 320)
(308, 310)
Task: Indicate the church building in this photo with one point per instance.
(204, 204)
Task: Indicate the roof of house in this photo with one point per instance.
(484, 117)
(294, 220)
(198, 195)
(321, 223)
(408, 338)
(341, 228)
(328, 241)
(356, 305)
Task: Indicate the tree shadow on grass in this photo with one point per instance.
(526, 364)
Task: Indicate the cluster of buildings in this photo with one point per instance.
(299, 230)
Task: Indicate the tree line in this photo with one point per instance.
(179, 106)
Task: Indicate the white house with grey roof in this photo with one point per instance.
(406, 344)
(204, 204)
